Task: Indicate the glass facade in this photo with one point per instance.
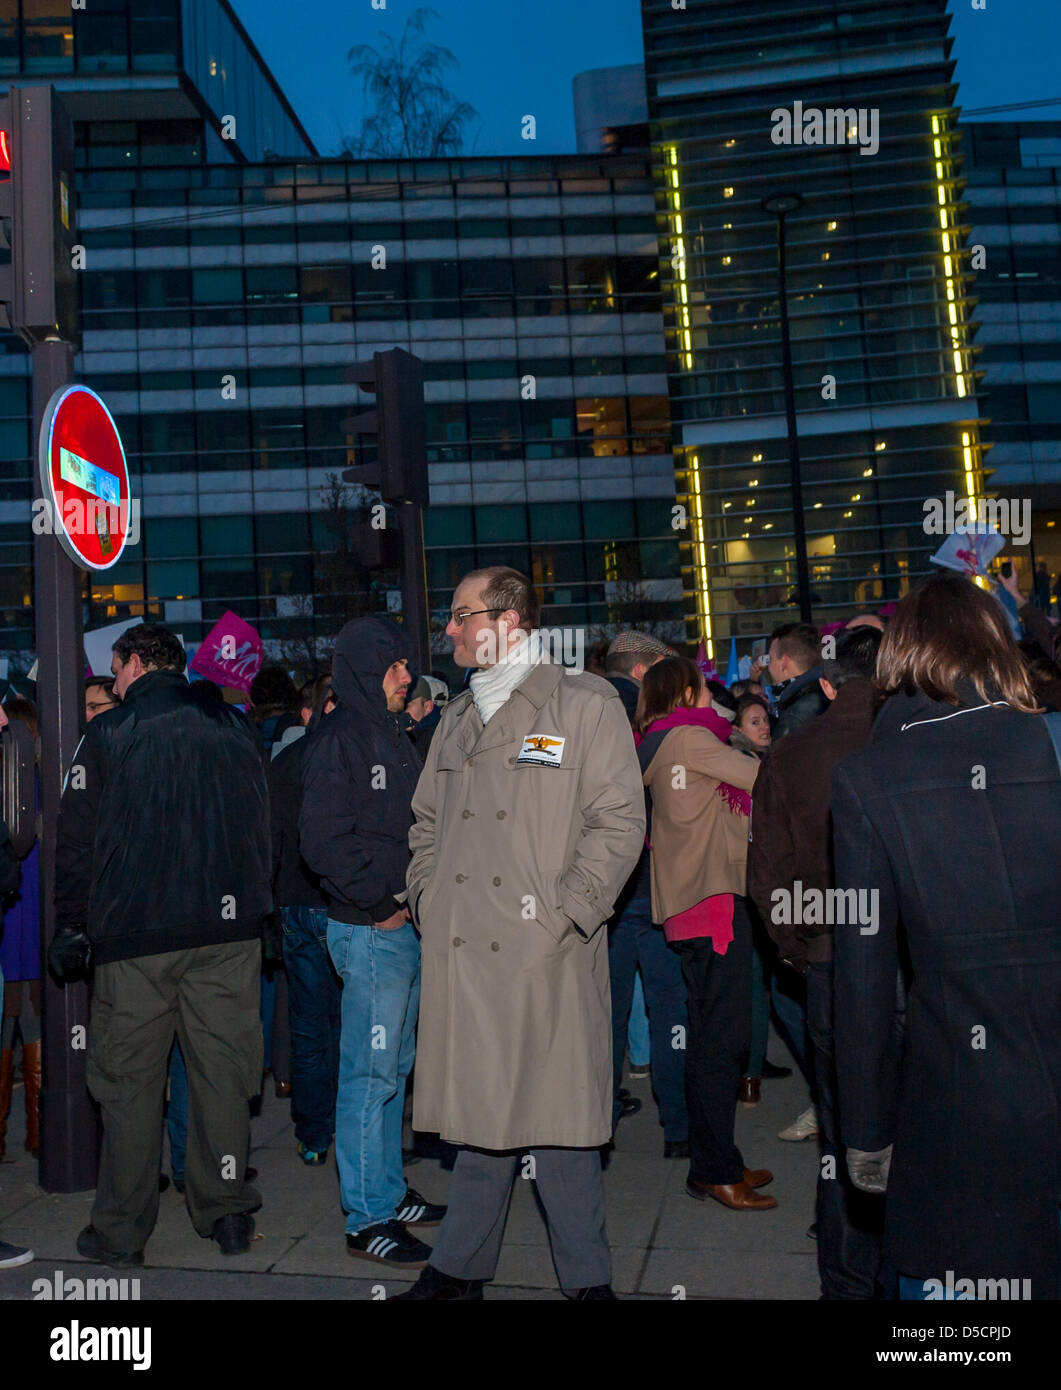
(221, 314)
(221, 76)
(849, 106)
(1013, 174)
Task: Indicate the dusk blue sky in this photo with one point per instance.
(519, 56)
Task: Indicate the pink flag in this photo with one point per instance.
(230, 654)
(705, 663)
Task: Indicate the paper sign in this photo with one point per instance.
(98, 645)
(230, 654)
(970, 549)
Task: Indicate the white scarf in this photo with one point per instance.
(492, 686)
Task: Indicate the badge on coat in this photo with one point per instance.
(546, 750)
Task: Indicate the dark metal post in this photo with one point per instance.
(69, 1151)
(414, 583)
(780, 204)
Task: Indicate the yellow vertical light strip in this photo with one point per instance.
(699, 552)
(948, 220)
(685, 334)
(941, 150)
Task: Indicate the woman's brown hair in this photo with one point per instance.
(663, 689)
(947, 632)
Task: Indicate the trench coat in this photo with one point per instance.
(954, 817)
(525, 833)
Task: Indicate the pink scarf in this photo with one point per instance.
(736, 798)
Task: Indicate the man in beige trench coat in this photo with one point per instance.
(529, 819)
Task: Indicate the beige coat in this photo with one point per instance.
(699, 845)
(519, 852)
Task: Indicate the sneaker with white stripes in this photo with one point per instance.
(418, 1211)
(389, 1243)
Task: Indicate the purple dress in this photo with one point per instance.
(20, 949)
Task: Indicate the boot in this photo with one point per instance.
(31, 1071)
(7, 1081)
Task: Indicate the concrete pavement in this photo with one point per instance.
(664, 1244)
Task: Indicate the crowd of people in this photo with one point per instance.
(491, 899)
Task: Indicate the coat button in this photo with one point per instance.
(495, 946)
(458, 941)
(501, 815)
(510, 762)
(461, 878)
(497, 883)
(467, 815)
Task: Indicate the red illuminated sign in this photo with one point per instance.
(84, 477)
(5, 152)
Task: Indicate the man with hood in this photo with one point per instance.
(359, 773)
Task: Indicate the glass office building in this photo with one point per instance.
(153, 82)
(223, 306)
(1013, 189)
(849, 104)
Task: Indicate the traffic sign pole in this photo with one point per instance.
(69, 1149)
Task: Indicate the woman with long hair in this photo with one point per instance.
(698, 836)
(936, 827)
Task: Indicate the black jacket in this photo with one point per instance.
(163, 840)
(359, 773)
(294, 884)
(955, 820)
(800, 700)
(791, 837)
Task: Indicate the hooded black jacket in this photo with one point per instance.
(359, 773)
(163, 840)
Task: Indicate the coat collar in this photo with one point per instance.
(535, 691)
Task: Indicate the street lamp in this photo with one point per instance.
(780, 205)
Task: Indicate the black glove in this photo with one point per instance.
(70, 953)
(272, 940)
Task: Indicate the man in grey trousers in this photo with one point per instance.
(163, 868)
(530, 815)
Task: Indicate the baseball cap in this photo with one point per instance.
(428, 688)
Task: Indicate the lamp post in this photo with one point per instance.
(781, 204)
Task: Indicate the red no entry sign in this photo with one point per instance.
(84, 479)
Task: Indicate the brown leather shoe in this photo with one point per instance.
(758, 1177)
(749, 1090)
(738, 1196)
(283, 1089)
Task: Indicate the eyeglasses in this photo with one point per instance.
(461, 618)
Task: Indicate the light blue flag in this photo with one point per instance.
(733, 669)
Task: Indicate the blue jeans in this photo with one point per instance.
(315, 997)
(638, 1040)
(177, 1112)
(634, 941)
(788, 994)
(380, 971)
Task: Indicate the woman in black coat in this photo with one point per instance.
(952, 817)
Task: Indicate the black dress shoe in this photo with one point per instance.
(435, 1287)
(234, 1233)
(91, 1246)
(675, 1148)
(597, 1294)
(772, 1073)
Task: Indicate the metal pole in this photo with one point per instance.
(802, 568)
(414, 583)
(69, 1151)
